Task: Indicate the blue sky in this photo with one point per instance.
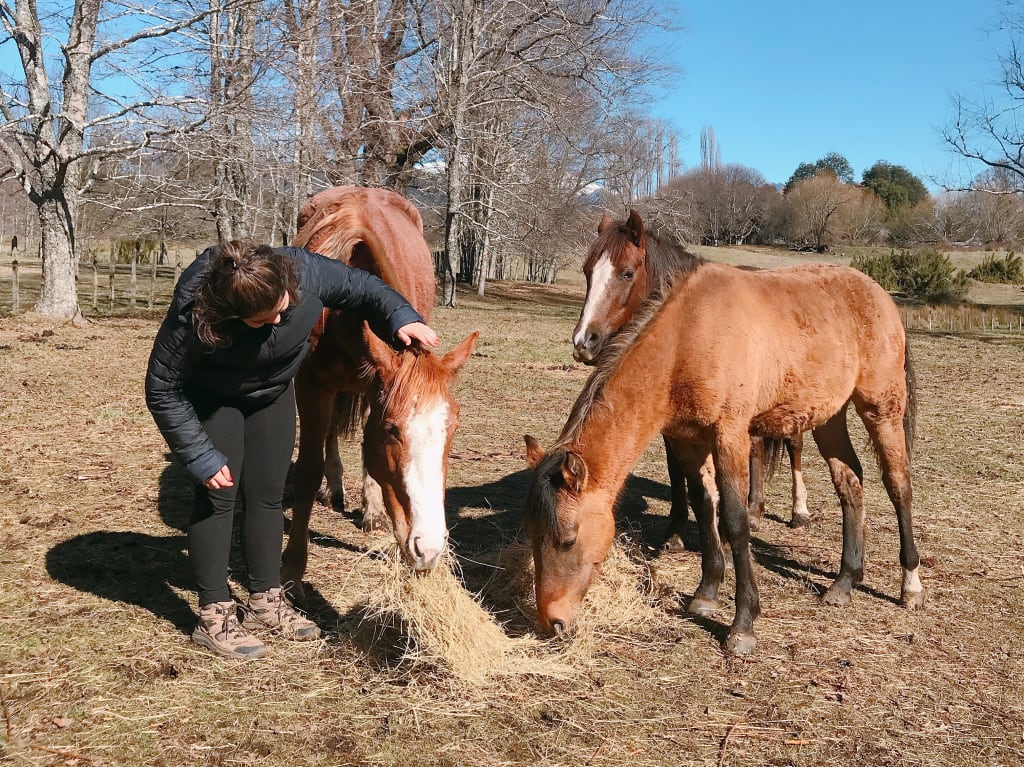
(787, 82)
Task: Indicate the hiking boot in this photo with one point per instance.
(218, 630)
(271, 609)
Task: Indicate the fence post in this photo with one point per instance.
(15, 297)
(134, 281)
(152, 283)
(95, 282)
(177, 269)
(113, 271)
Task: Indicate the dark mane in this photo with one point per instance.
(541, 512)
(612, 355)
(666, 255)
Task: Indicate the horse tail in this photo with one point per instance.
(910, 413)
(349, 413)
(773, 449)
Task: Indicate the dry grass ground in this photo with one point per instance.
(96, 603)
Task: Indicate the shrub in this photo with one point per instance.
(921, 275)
(1008, 270)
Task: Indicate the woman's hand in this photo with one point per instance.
(417, 331)
(221, 479)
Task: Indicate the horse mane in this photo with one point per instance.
(612, 354)
(541, 510)
(666, 255)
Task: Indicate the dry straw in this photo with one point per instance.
(444, 627)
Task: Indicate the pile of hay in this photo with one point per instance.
(443, 626)
(621, 601)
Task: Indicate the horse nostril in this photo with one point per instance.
(591, 340)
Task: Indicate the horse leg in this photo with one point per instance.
(732, 467)
(679, 513)
(755, 494)
(833, 440)
(800, 516)
(334, 471)
(700, 478)
(316, 410)
(375, 516)
(888, 437)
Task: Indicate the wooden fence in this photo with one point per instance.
(101, 286)
(965, 318)
(106, 287)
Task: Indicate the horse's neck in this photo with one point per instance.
(632, 409)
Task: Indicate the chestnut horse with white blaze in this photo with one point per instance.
(624, 267)
(351, 375)
(723, 355)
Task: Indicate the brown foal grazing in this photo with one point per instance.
(351, 375)
(723, 355)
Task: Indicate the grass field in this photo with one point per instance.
(96, 604)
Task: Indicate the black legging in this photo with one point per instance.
(258, 444)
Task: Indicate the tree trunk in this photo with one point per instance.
(58, 295)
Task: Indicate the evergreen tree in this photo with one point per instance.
(895, 186)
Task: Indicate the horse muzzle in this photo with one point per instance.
(425, 551)
(586, 347)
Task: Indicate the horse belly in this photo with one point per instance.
(789, 419)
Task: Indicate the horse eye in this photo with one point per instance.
(628, 274)
(566, 545)
(391, 428)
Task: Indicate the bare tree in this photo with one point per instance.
(510, 57)
(723, 203)
(989, 130)
(57, 102)
(816, 205)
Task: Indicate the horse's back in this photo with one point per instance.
(788, 346)
(372, 229)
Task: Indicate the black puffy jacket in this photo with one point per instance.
(259, 363)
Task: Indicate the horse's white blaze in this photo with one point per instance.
(600, 279)
(912, 581)
(427, 433)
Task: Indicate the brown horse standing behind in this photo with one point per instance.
(727, 354)
(410, 413)
(624, 267)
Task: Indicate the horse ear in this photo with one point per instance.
(604, 223)
(534, 452)
(635, 228)
(383, 357)
(457, 357)
(574, 472)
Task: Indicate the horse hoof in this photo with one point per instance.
(912, 600)
(836, 597)
(754, 523)
(800, 520)
(702, 607)
(674, 545)
(740, 644)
